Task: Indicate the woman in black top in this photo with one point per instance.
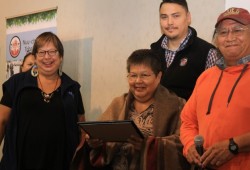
(39, 111)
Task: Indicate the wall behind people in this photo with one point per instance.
(237, 3)
(203, 14)
(98, 36)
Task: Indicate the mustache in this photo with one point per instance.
(171, 27)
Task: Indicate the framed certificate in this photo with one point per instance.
(111, 131)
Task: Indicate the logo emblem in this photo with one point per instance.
(231, 11)
(183, 61)
(15, 46)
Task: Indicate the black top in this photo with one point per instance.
(25, 99)
(41, 143)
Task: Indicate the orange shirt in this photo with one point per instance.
(225, 120)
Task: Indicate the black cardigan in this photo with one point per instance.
(69, 93)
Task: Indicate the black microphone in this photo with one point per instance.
(198, 141)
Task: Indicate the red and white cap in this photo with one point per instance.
(237, 14)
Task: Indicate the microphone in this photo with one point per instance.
(198, 141)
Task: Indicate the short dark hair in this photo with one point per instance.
(47, 37)
(182, 3)
(146, 57)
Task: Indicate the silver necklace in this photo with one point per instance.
(46, 96)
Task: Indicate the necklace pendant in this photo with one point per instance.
(46, 100)
(46, 97)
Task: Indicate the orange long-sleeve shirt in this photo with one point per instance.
(225, 120)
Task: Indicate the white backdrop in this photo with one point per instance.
(238, 3)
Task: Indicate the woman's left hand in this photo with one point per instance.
(136, 141)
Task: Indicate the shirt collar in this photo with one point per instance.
(222, 65)
(182, 44)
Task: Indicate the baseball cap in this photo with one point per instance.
(237, 14)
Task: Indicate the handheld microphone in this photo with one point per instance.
(198, 141)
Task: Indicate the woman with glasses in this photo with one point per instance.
(39, 111)
(219, 107)
(154, 110)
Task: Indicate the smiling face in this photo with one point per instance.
(49, 51)
(174, 21)
(236, 43)
(143, 82)
(48, 64)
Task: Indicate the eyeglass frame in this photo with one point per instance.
(142, 76)
(44, 52)
(235, 31)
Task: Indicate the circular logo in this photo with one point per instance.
(15, 46)
(183, 61)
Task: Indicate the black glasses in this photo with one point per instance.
(51, 53)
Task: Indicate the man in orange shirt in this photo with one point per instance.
(219, 108)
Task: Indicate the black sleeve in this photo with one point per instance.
(80, 107)
(6, 99)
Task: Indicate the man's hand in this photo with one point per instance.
(192, 156)
(216, 155)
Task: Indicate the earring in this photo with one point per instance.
(60, 72)
(34, 71)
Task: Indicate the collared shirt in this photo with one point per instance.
(170, 55)
(222, 65)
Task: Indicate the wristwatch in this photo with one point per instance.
(233, 147)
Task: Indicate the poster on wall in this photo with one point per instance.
(21, 33)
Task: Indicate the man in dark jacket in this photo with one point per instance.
(184, 56)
